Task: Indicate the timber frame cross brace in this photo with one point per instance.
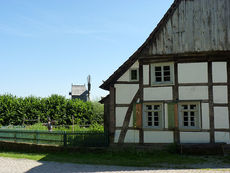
(127, 118)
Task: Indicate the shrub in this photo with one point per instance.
(59, 109)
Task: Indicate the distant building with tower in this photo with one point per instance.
(80, 91)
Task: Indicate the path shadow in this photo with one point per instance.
(60, 167)
(55, 167)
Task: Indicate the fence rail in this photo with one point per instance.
(62, 138)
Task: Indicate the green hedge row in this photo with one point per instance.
(14, 109)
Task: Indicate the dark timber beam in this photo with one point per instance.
(141, 133)
(176, 98)
(210, 97)
(228, 81)
(112, 114)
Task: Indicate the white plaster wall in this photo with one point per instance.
(146, 74)
(194, 137)
(222, 137)
(219, 72)
(193, 93)
(125, 77)
(166, 115)
(205, 116)
(221, 117)
(116, 136)
(158, 93)
(125, 93)
(135, 65)
(192, 73)
(120, 115)
(131, 121)
(220, 94)
(132, 136)
(158, 137)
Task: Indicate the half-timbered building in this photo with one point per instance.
(176, 87)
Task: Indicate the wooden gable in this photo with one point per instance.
(189, 26)
(195, 26)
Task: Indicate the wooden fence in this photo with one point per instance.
(62, 138)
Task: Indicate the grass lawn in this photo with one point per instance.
(122, 158)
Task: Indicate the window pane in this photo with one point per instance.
(192, 118)
(184, 106)
(185, 113)
(153, 113)
(158, 74)
(133, 74)
(162, 73)
(167, 68)
(156, 107)
(149, 118)
(193, 124)
(185, 118)
(150, 123)
(158, 68)
(156, 118)
(158, 79)
(167, 78)
(166, 73)
(149, 107)
(192, 107)
(190, 115)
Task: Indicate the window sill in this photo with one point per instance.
(153, 129)
(172, 129)
(190, 130)
(163, 84)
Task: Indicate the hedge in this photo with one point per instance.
(59, 109)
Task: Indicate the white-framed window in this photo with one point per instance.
(153, 115)
(189, 115)
(134, 74)
(162, 73)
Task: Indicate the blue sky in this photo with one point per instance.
(46, 45)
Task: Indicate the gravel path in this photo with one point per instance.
(10, 165)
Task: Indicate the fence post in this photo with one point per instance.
(65, 138)
(15, 137)
(36, 136)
